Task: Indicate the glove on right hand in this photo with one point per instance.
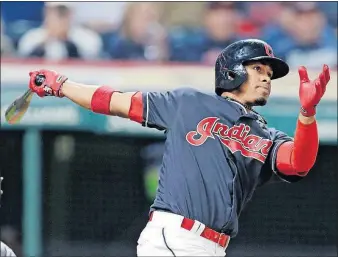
(51, 85)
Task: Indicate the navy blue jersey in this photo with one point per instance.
(216, 154)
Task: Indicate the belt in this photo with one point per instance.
(207, 233)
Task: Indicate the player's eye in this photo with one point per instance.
(257, 68)
(270, 75)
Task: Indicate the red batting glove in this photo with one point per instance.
(310, 92)
(51, 85)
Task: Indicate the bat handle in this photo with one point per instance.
(27, 93)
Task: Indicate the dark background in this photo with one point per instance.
(94, 201)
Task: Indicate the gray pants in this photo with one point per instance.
(6, 251)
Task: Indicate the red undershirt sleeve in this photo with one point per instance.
(298, 157)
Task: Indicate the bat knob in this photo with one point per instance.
(39, 79)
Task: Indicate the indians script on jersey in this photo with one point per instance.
(235, 138)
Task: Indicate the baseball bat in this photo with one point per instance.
(18, 108)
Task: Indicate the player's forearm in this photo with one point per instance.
(306, 143)
(100, 99)
(298, 157)
(306, 120)
(80, 94)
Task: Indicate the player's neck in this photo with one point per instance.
(236, 98)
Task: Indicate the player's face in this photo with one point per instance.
(256, 90)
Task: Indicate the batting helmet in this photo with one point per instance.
(230, 72)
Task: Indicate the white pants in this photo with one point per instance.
(6, 251)
(163, 236)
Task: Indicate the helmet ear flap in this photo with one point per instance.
(231, 76)
(230, 79)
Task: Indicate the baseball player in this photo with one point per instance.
(218, 149)
(5, 251)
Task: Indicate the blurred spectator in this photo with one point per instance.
(175, 13)
(18, 20)
(101, 17)
(13, 11)
(256, 15)
(59, 38)
(303, 36)
(221, 20)
(330, 10)
(141, 35)
(7, 48)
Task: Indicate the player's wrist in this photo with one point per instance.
(59, 83)
(306, 120)
(308, 111)
(65, 87)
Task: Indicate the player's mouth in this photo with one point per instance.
(266, 89)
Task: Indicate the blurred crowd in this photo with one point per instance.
(302, 33)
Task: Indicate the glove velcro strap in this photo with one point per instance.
(308, 112)
(60, 80)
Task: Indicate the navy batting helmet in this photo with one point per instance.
(230, 72)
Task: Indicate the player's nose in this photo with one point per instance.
(266, 79)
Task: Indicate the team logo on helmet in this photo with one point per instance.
(268, 50)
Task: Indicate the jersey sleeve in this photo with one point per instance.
(159, 109)
(270, 173)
